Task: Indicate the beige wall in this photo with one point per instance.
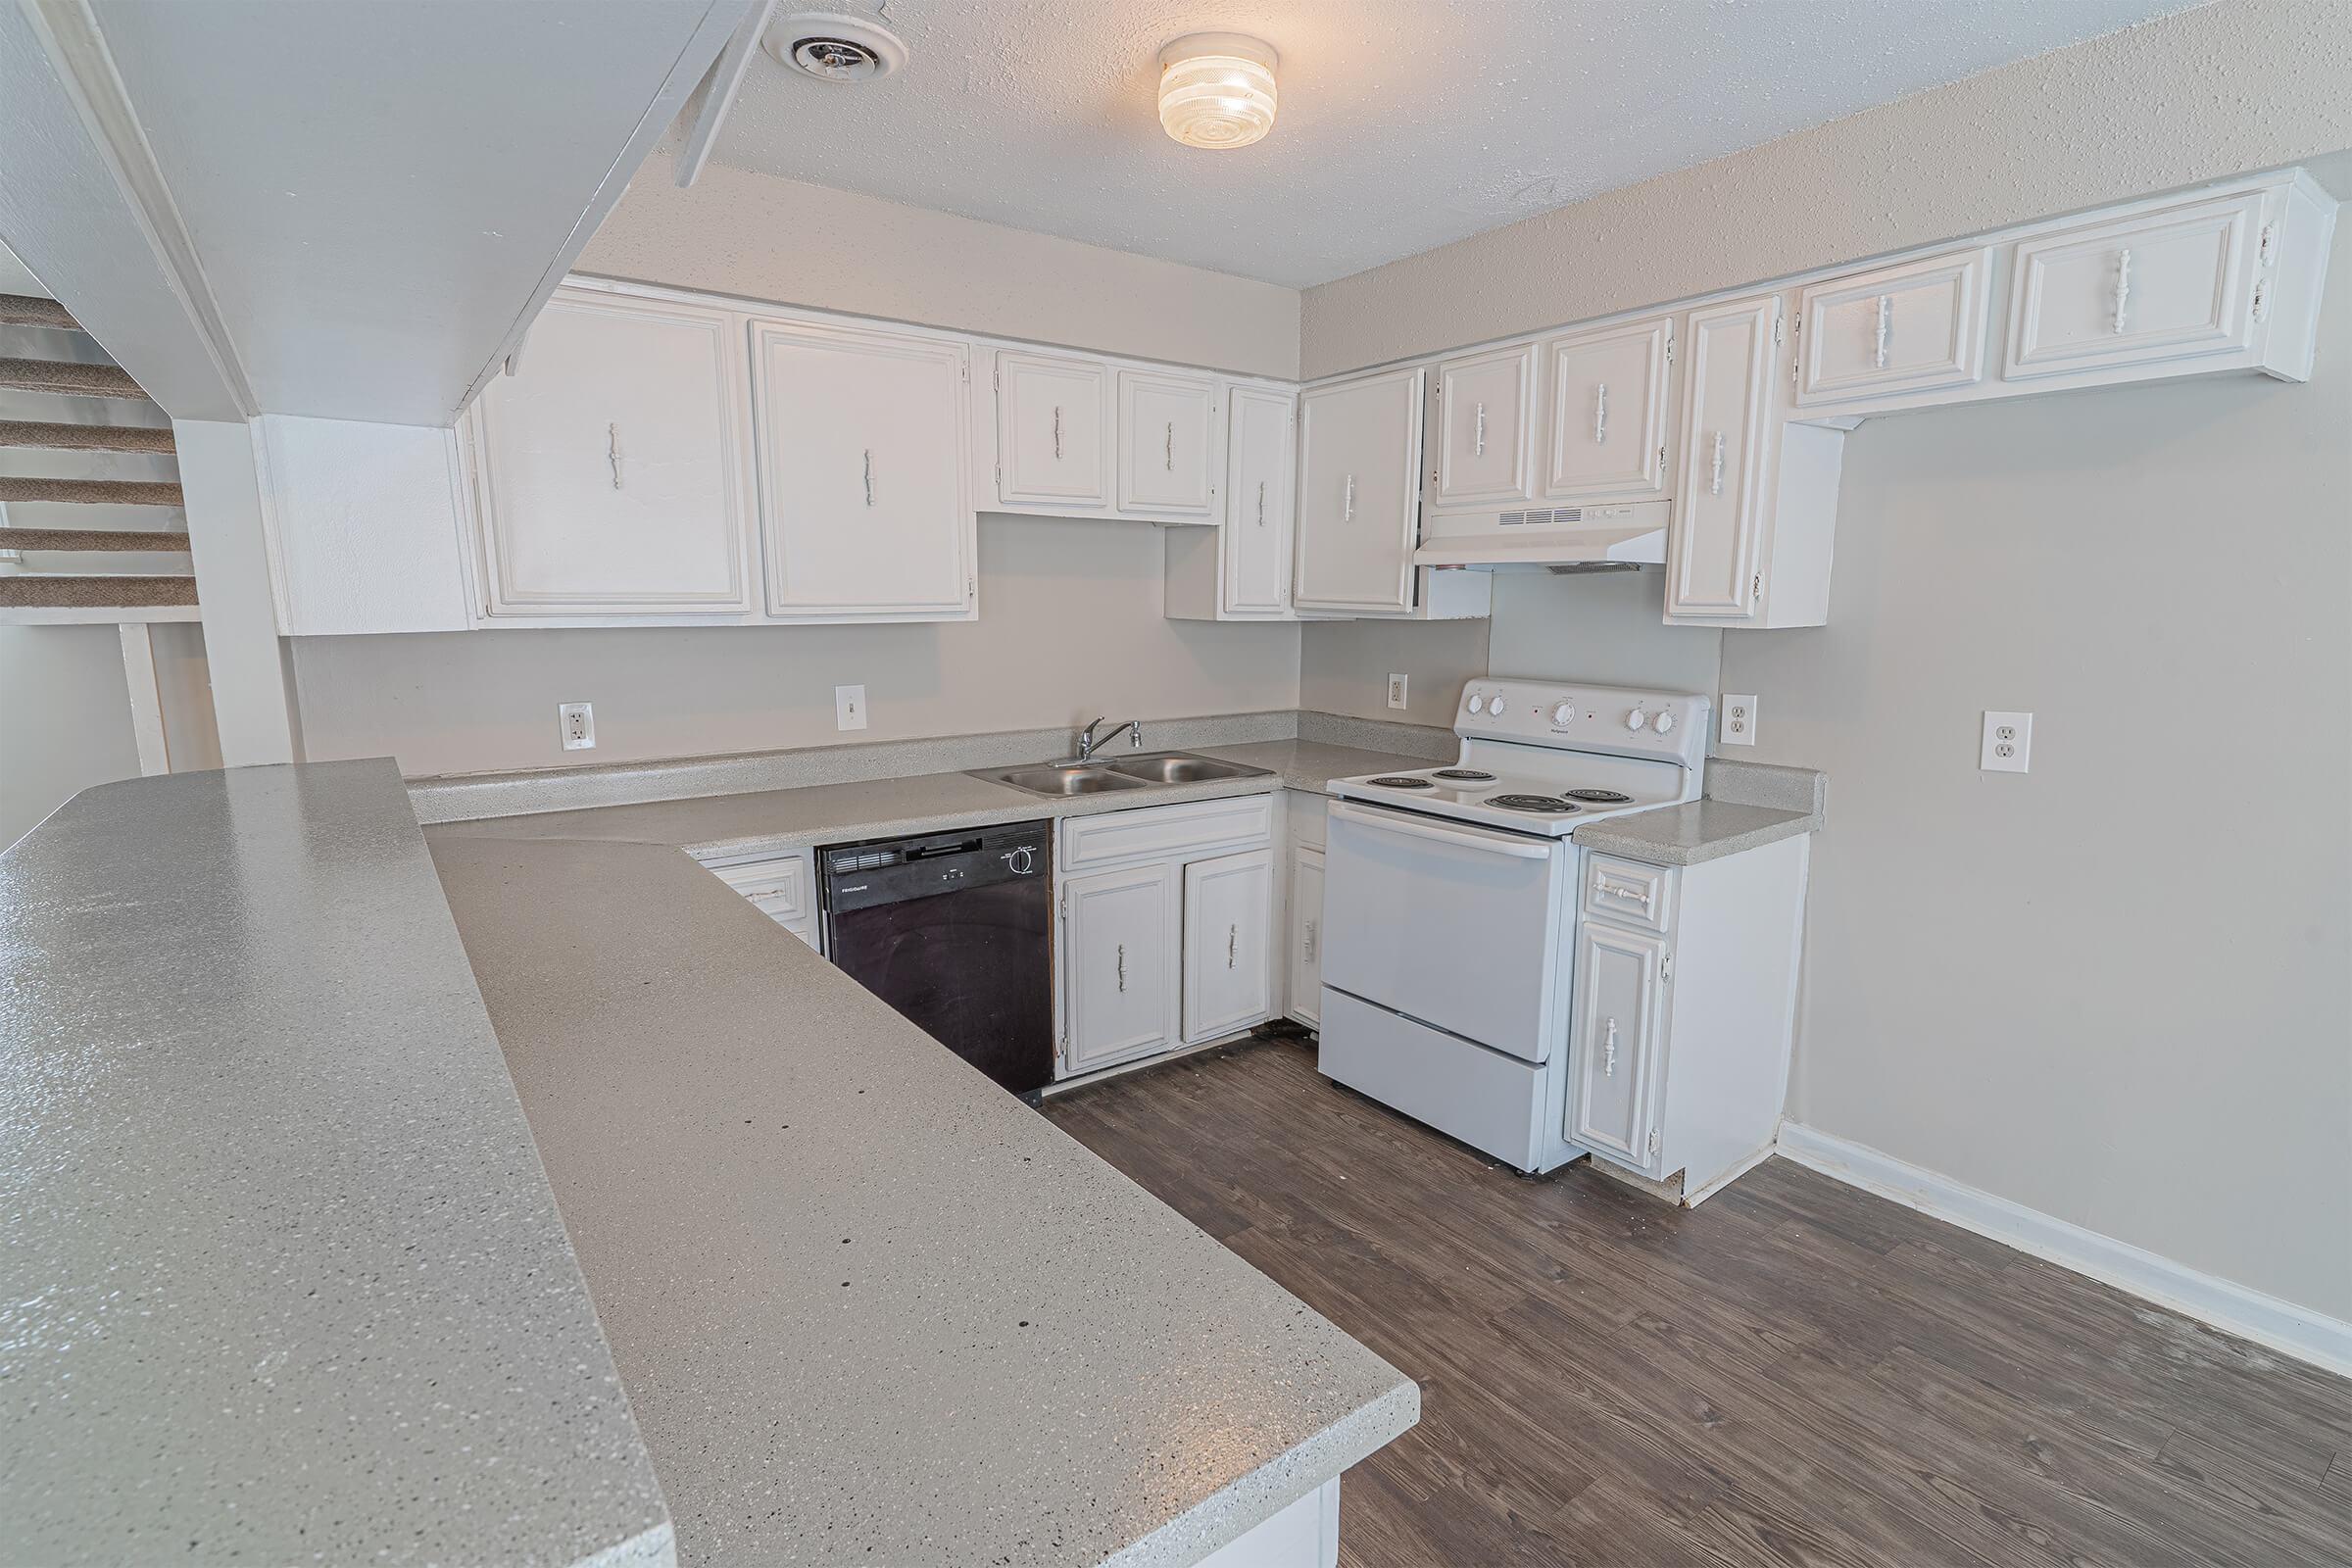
(778, 239)
(2238, 86)
(1070, 626)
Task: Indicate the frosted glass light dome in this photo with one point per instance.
(1217, 89)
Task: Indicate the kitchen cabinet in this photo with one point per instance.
(2172, 284)
(1607, 389)
(1485, 436)
(1228, 938)
(1166, 423)
(1615, 1046)
(1757, 495)
(615, 467)
(864, 477)
(1241, 570)
(1052, 430)
(1359, 451)
(780, 887)
(1119, 969)
(1305, 976)
(1912, 329)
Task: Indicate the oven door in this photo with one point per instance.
(1455, 926)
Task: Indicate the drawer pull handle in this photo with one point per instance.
(1310, 940)
(1347, 502)
(870, 476)
(1600, 413)
(1608, 1066)
(1886, 329)
(1233, 942)
(1261, 502)
(1171, 462)
(1122, 968)
(1056, 432)
(2122, 285)
(612, 452)
(1715, 467)
(1478, 440)
(1625, 891)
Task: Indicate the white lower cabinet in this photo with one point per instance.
(782, 887)
(1620, 997)
(1119, 965)
(1307, 935)
(1228, 926)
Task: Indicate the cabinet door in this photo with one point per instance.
(614, 466)
(1052, 430)
(1258, 502)
(1486, 404)
(1165, 423)
(1714, 560)
(1608, 412)
(1118, 964)
(1307, 935)
(2166, 285)
(1228, 931)
(1916, 328)
(1612, 1106)
(1359, 448)
(864, 495)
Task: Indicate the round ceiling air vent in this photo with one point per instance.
(832, 47)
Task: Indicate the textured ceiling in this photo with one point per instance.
(1404, 123)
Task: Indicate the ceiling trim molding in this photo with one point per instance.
(70, 34)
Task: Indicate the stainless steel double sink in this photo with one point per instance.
(1101, 775)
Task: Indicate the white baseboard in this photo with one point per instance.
(2308, 1336)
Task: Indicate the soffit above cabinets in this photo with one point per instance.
(1403, 125)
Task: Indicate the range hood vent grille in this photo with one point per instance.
(1539, 515)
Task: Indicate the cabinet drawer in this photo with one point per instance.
(1309, 817)
(2166, 285)
(779, 888)
(1242, 821)
(1628, 892)
(1916, 328)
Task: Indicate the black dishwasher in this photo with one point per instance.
(955, 930)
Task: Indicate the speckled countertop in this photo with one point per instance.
(282, 1278)
(869, 1307)
(817, 814)
(1695, 833)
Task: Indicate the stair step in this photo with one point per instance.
(63, 375)
(94, 593)
(116, 492)
(91, 539)
(31, 309)
(88, 437)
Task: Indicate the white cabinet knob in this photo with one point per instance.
(1563, 713)
(1663, 723)
(1636, 719)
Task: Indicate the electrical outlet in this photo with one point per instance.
(577, 723)
(849, 708)
(2008, 743)
(1397, 685)
(1739, 718)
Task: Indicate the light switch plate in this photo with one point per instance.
(1397, 685)
(575, 722)
(849, 708)
(1739, 718)
(2008, 743)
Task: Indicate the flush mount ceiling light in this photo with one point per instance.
(1217, 89)
(834, 48)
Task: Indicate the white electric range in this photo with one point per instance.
(1450, 901)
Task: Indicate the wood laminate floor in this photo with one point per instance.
(1794, 1372)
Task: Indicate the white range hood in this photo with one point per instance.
(1597, 538)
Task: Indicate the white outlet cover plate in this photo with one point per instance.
(2008, 743)
(1397, 685)
(576, 725)
(849, 708)
(1735, 720)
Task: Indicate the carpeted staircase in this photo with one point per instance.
(26, 584)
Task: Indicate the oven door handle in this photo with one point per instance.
(1514, 845)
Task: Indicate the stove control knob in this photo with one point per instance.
(1663, 723)
(1563, 713)
(1636, 719)
(1478, 704)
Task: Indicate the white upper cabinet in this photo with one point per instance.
(1359, 451)
(1910, 328)
(2172, 284)
(1256, 578)
(865, 485)
(1608, 419)
(1052, 430)
(1166, 423)
(1485, 415)
(1729, 411)
(615, 468)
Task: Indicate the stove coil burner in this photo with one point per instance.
(1403, 783)
(1531, 802)
(1470, 776)
(1600, 797)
